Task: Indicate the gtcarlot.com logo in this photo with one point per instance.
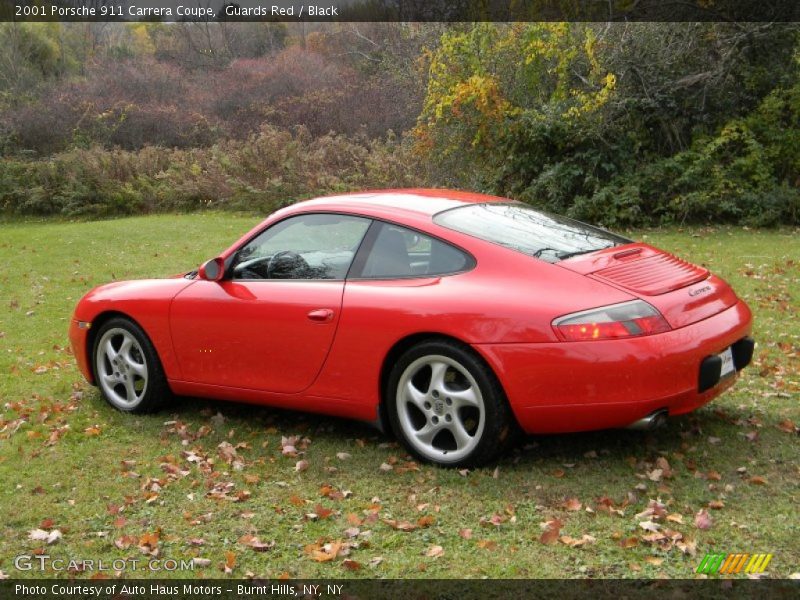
(734, 563)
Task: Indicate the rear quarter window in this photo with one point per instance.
(400, 252)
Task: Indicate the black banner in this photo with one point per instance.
(411, 589)
(400, 10)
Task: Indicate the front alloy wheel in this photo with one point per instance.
(126, 367)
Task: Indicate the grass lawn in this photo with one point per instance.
(119, 486)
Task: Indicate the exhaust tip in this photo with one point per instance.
(652, 421)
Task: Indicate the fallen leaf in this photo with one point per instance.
(687, 546)
(426, 521)
(702, 520)
(148, 543)
(435, 552)
(354, 519)
(495, 520)
(788, 426)
(125, 542)
(323, 512)
(663, 464)
(487, 544)
(572, 504)
(400, 525)
(342, 455)
(201, 562)
(630, 542)
(716, 504)
(675, 518)
(49, 537)
(351, 565)
(301, 466)
(649, 526)
(230, 561)
(465, 533)
(551, 532)
(576, 542)
(325, 553)
(653, 560)
(375, 561)
(255, 543)
(757, 480)
(227, 452)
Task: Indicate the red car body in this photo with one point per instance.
(271, 345)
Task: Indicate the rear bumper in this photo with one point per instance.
(580, 386)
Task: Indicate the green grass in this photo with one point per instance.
(62, 447)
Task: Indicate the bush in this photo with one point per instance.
(271, 168)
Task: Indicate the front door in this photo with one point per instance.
(270, 324)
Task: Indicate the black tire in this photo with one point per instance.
(444, 406)
(133, 381)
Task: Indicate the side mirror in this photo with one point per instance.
(212, 270)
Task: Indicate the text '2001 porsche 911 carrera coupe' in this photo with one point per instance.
(454, 319)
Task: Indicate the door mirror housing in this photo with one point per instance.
(212, 270)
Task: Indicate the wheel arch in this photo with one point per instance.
(404, 344)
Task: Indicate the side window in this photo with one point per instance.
(401, 252)
(314, 246)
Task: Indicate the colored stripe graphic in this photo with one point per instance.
(734, 563)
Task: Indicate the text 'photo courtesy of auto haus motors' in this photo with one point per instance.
(455, 320)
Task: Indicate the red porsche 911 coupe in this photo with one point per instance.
(454, 319)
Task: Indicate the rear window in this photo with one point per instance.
(518, 226)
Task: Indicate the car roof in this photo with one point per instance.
(417, 201)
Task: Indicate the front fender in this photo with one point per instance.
(145, 301)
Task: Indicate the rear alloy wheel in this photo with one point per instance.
(127, 368)
(447, 406)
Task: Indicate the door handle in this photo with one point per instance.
(321, 315)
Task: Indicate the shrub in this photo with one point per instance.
(271, 168)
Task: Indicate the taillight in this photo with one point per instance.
(629, 319)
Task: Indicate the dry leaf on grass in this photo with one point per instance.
(702, 520)
(256, 544)
(551, 531)
(324, 552)
(577, 542)
(230, 562)
(435, 552)
(49, 537)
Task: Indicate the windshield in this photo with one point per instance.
(518, 226)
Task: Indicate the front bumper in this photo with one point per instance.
(78, 339)
(581, 386)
